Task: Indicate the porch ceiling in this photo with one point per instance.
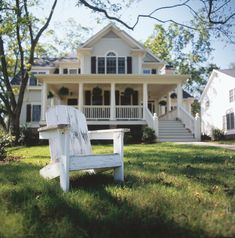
(156, 91)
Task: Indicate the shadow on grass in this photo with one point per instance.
(88, 210)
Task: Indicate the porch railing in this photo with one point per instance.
(152, 121)
(97, 112)
(129, 112)
(186, 118)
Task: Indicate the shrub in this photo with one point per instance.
(217, 134)
(5, 141)
(29, 136)
(148, 135)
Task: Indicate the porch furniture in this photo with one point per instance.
(70, 147)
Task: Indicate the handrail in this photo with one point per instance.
(152, 120)
(187, 119)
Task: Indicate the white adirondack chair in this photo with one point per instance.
(70, 147)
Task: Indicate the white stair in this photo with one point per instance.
(174, 130)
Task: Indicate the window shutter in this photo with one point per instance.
(28, 112)
(93, 65)
(129, 65)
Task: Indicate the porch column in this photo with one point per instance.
(145, 99)
(179, 99)
(44, 101)
(80, 97)
(168, 102)
(112, 102)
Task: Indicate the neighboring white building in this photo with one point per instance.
(115, 81)
(218, 103)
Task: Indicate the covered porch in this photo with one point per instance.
(115, 102)
(121, 100)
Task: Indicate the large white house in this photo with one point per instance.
(116, 82)
(218, 103)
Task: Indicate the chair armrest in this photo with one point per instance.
(106, 134)
(53, 127)
(48, 132)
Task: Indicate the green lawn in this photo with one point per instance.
(169, 191)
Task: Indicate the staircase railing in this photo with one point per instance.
(191, 123)
(152, 120)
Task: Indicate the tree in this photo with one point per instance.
(185, 50)
(216, 16)
(61, 39)
(20, 32)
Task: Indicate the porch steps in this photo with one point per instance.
(174, 130)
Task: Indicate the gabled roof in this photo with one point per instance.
(112, 31)
(228, 72)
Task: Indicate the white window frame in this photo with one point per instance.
(105, 61)
(231, 95)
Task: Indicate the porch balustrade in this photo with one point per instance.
(121, 112)
(129, 112)
(97, 112)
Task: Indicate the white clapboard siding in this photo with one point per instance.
(70, 146)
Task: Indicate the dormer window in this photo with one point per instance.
(111, 64)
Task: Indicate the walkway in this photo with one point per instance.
(224, 146)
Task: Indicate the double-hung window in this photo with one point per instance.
(111, 63)
(33, 113)
(101, 65)
(121, 65)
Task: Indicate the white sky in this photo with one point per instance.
(222, 56)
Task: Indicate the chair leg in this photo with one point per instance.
(119, 173)
(64, 174)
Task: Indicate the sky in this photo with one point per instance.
(223, 55)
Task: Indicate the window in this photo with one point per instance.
(33, 80)
(111, 63)
(146, 71)
(65, 71)
(121, 65)
(154, 71)
(149, 71)
(36, 113)
(232, 95)
(73, 71)
(230, 121)
(33, 113)
(101, 65)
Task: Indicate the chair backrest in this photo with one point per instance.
(79, 139)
